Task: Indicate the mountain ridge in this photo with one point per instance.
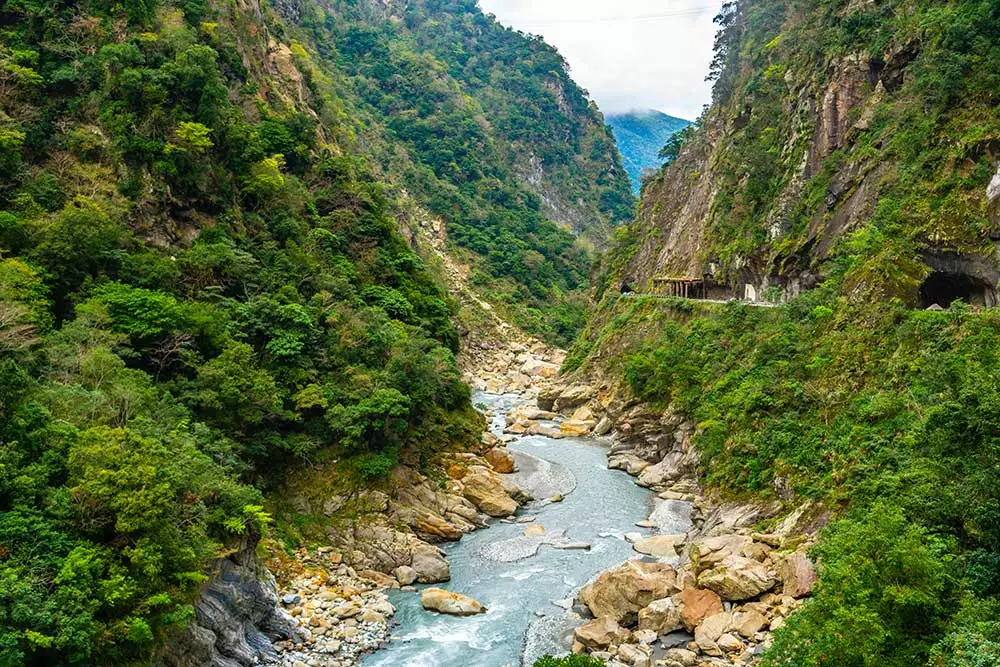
(641, 134)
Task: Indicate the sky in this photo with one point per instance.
(630, 54)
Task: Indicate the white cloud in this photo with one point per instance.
(630, 54)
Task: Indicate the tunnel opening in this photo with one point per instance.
(942, 288)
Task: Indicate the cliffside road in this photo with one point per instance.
(663, 297)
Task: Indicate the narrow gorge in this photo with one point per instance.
(333, 333)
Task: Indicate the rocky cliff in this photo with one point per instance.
(832, 121)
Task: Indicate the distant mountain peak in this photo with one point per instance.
(640, 134)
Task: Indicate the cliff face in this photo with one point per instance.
(834, 121)
(237, 618)
(850, 156)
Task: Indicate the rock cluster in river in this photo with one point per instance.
(708, 591)
(335, 593)
(521, 367)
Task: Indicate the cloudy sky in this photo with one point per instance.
(630, 54)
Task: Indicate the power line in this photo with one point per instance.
(681, 13)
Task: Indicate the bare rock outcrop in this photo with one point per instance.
(236, 619)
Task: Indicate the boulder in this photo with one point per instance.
(679, 657)
(637, 656)
(698, 604)
(372, 616)
(583, 414)
(547, 398)
(659, 546)
(710, 552)
(709, 630)
(571, 397)
(737, 578)
(574, 428)
(405, 575)
(630, 463)
(380, 579)
(599, 633)
(546, 431)
(538, 368)
(660, 616)
(500, 460)
(622, 591)
(430, 566)
(446, 602)
(486, 491)
(433, 527)
(797, 574)
(730, 643)
(749, 623)
(604, 426)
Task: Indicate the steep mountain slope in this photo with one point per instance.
(485, 129)
(640, 136)
(210, 279)
(892, 136)
(849, 165)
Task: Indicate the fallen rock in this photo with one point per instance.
(546, 431)
(737, 578)
(573, 428)
(571, 397)
(710, 552)
(709, 630)
(660, 546)
(698, 604)
(380, 579)
(604, 426)
(749, 623)
(797, 574)
(430, 566)
(622, 591)
(485, 490)
(446, 602)
(599, 633)
(405, 575)
(660, 616)
(538, 368)
(679, 657)
(500, 460)
(637, 656)
(630, 463)
(729, 643)
(434, 528)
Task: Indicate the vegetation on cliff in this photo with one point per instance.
(859, 173)
(204, 284)
(499, 142)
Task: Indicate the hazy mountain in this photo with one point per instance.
(640, 136)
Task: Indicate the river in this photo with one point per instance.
(518, 577)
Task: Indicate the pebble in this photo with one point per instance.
(340, 615)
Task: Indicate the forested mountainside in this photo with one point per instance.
(847, 165)
(204, 280)
(641, 135)
(500, 143)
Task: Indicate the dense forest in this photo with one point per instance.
(204, 280)
(851, 144)
(501, 143)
